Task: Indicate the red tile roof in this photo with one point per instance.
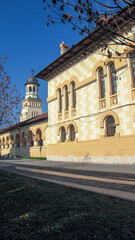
(43, 116)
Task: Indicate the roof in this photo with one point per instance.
(80, 48)
(64, 45)
(43, 116)
(32, 80)
(32, 99)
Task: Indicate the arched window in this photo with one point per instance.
(110, 126)
(66, 98)
(30, 89)
(7, 141)
(101, 83)
(62, 134)
(33, 89)
(3, 142)
(132, 61)
(113, 79)
(73, 91)
(12, 140)
(23, 140)
(30, 139)
(59, 101)
(17, 140)
(39, 137)
(71, 133)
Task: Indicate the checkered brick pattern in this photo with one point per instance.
(124, 88)
(51, 135)
(87, 100)
(126, 123)
(88, 128)
(81, 70)
(52, 112)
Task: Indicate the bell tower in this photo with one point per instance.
(31, 106)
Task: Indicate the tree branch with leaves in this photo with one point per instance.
(9, 98)
(86, 15)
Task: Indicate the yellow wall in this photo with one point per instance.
(104, 150)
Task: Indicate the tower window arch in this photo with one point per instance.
(33, 89)
(30, 89)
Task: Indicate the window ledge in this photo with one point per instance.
(73, 113)
(102, 103)
(59, 116)
(66, 114)
(133, 93)
(114, 99)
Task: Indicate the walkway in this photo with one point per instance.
(114, 180)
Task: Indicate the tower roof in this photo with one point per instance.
(32, 80)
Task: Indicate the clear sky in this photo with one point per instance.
(29, 43)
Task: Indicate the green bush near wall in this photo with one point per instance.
(34, 158)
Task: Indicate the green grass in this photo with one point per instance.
(36, 210)
(34, 158)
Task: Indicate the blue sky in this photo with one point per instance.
(29, 43)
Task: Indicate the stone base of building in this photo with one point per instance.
(106, 150)
(101, 159)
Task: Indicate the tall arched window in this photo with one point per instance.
(101, 83)
(30, 89)
(33, 89)
(110, 126)
(7, 141)
(30, 138)
(59, 101)
(66, 98)
(12, 140)
(17, 140)
(3, 142)
(132, 61)
(71, 133)
(39, 137)
(62, 134)
(73, 91)
(23, 140)
(113, 79)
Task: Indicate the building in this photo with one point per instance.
(27, 138)
(91, 101)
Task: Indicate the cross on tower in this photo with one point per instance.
(32, 71)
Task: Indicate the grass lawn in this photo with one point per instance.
(32, 209)
(34, 158)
